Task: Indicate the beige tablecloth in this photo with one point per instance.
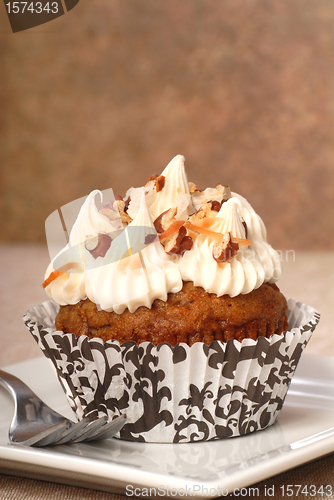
(319, 472)
(308, 276)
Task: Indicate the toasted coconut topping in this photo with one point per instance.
(202, 230)
(173, 228)
(58, 272)
(243, 241)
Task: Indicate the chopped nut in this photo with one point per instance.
(119, 203)
(127, 203)
(109, 212)
(172, 235)
(192, 234)
(226, 249)
(215, 205)
(219, 193)
(173, 244)
(121, 206)
(150, 238)
(98, 245)
(197, 217)
(186, 244)
(159, 183)
(178, 243)
(226, 190)
(165, 219)
(91, 242)
(205, 212)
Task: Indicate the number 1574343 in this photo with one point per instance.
(32, 7)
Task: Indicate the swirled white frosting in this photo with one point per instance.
(134, 272)
(174, 194)
(248, 269)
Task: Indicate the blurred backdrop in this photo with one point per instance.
(109, 93)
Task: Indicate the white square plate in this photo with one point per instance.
(304, 431)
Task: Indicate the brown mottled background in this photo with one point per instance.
(108, 93)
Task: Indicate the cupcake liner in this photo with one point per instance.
(176, 394)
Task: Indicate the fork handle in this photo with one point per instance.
(15, 386)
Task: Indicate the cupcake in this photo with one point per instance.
(164, 306)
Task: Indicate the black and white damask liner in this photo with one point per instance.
(176, 394)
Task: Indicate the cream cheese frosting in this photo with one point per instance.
(134, 267)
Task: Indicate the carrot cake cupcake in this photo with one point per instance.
(164, 306)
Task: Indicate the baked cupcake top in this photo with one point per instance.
(134, 250)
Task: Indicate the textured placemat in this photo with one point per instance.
(319, 473)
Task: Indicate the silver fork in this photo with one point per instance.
(36, 424)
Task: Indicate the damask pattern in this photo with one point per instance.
(176, 394)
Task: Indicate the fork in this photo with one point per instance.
(36, 424)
